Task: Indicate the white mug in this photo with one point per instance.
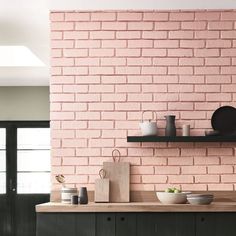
(186, 130)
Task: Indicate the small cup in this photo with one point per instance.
(186, 130)
(74, 199)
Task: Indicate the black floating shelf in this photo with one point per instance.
(181, 139)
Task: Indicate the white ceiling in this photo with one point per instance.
(26, 22)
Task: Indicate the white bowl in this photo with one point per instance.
(172, 198)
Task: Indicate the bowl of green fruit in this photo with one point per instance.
(172, 196)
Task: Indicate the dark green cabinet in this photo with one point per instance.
(65, 224)
(215, 224)
(136, 224)
(165, 224)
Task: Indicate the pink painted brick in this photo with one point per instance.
(220, 169)
(114, 43)
(228, 178)
(56, 89)
(228, 15)
(167, 25)
(67, 125)
(167, 152)
(75, 52)
(87, 170)
(77, 16)
(128, 34)
(228, 70)
(62, 26)
(62, 80)
(165, 62)
(74, 106)
(91, 79)
(196, 79)
(57, 16)
(206, 160)
(140, 152)
(55, 106)
(220, 43)
(220, 187)
(157, 161)
(207, 179)
(87, 25)
(183, 70)
(192, 43)
(114, 25)
(56, 53)
(63, 152)
(228, 88)
(155, 16)
(105, 88)
(62, 115)
(183, 106)
(129, 16)
(84, 152)
(180, 52)
(206, 52)
(166, 97)
(63, 170)
(129, 52)
(193, 152)
(167, 170)
(86, 61)
(62, 44)
(140, 25)
(114, 97)
(193, 115)
(214, 97)
(206, 34)
(154, 179)
(207, 88)
(87, 43)
(69, 143)
(220, 151)
(228, 34)
(88, 134)
(207, 15)
(102, 35)
(181, 34)
(220, 25)
(107, 79)
(62, 62)
(103, 16)
(62, 97)
(210, 70)
(191, 62)
(76, 34)
(180, 179)
(91, 115)
(180, 88)
(105, 70)
(132, 70)
(193, 170)
(111, 133)
(194, 187)
(75, 70)
(101, 106)
(154, 52)
(154, 88)
(139, 97)
(162, 106)
(154, 34)
(139, 61)
(166, 44)
(193, 25)
(127, 106)
(87, 97)
(113, 115)
(181, 16)
(144, 79)
(140, 43)
(190, 97)
(229, 160)
(56, 35)
(217, 61)
(128, 88)
(148, 70)
(101, 143)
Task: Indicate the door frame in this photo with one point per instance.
(11, 166)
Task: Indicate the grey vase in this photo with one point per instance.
(83, 195)
(170, 126)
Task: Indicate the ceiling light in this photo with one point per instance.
(18, 56)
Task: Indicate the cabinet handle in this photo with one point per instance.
(108, 218)
(122, 218)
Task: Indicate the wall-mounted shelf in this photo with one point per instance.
(181, 139)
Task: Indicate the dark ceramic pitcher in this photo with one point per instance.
(83, 195)
(170, 126)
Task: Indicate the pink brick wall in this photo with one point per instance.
(109, 66)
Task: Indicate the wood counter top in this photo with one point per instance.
(136, 207)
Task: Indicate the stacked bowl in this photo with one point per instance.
(200, 199)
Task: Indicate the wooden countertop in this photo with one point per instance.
(136, 207)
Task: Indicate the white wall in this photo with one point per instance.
(24, 103)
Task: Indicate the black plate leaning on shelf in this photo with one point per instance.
(181, 139)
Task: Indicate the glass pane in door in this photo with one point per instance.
(33, 160)
(2, 161)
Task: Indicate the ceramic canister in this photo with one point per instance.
(67, 193)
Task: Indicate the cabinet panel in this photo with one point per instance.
(105, 224)
(126, 224)
(146, 224)
(215, 224)
(85, 224)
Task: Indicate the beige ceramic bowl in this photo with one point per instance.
(172, 198)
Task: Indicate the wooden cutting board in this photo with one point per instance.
(119, 175)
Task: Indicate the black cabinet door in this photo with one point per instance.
(215, 224)
(105, 224)
(65, 224)
(166, 224)
(126, 224)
